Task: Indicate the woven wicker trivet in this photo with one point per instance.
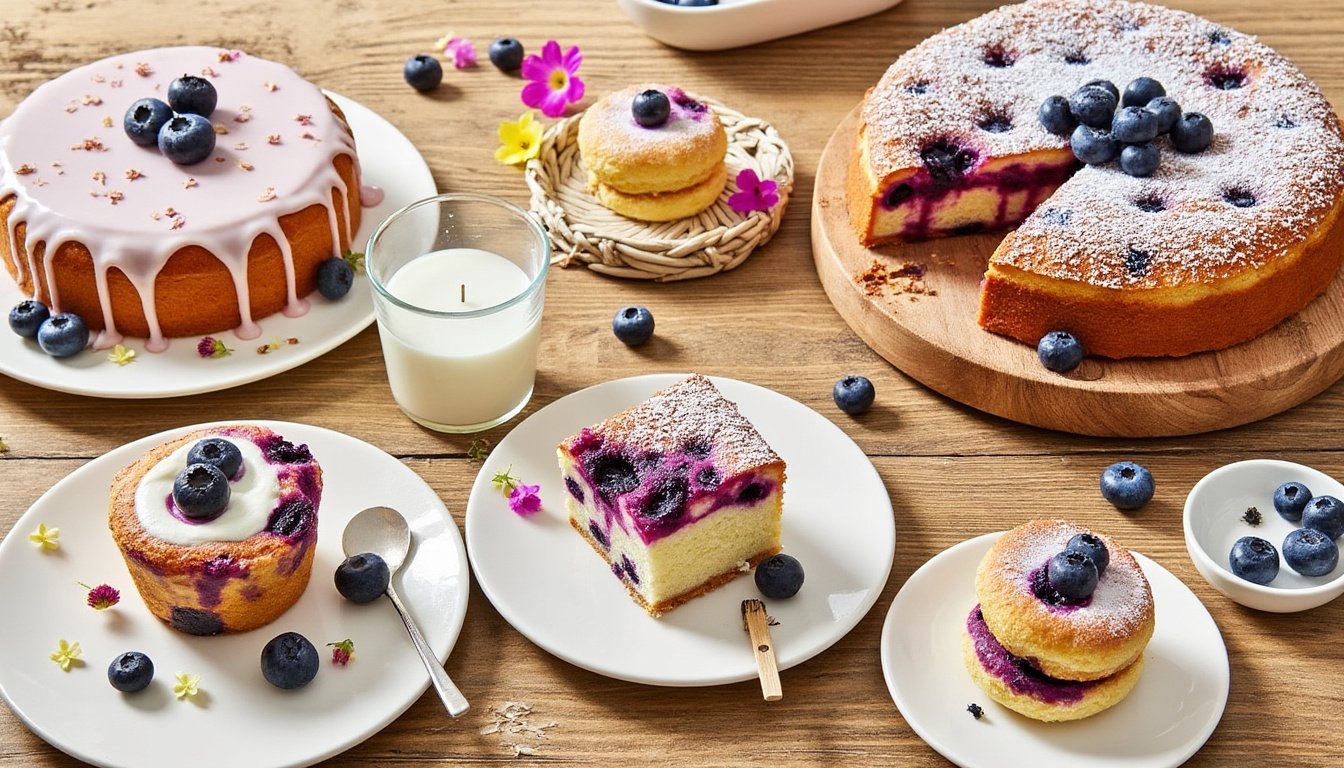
(716, 239)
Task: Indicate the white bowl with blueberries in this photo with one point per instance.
(1265, 533)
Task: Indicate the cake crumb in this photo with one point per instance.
(976, 710)
(25, 169)
(115, 196)
(266, 195)
(1252, 517)
(908, 278)
(209, 72)
(220, 130)
(511, 722)
(132, 174)
(244, 114)
(270, 87)
(89, 145)
(72, 107)
(143, 69)
(100, 177)
(304, 119)
(241, 146)
(107, 121)
(246, 166)
(116, 83)
(91, 100)
(273, 138)
(190, 182)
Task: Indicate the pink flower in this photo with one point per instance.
(524, 501)
(754, 194)
(102, 596)
(555, 82)
(462, 51)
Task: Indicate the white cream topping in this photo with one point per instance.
(253, 498)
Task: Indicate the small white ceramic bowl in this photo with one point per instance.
(734, 23)
(1213, 522)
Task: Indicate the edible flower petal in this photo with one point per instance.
(67, 655)
(187, 685)
(553, 79)
(754, 194)
(103, 596)
(520, 140)
(210, 347)
(342, 652)
(46, 538)
(121, 355)
(462, 52)
(524, 501)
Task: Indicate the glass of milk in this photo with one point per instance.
(459, 281)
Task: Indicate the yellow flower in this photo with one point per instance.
(66, 655)
(521, 140)
(121, 355)
(45, 537)
(186, 685)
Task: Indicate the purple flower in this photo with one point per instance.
(524, 501)
(463, 52)
(554, 79)
(103, 597)
(754, 194)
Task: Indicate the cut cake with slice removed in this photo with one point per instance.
(679, 494)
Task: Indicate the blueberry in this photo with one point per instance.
(947, 161)
(633, 325)
(1324, 514)
(362, 578)
(1055, 116)
(189, 94)
(1059, 351)
(27, 317)
(1140, 91)
(187, 139)
(1092, 547)
(143, 120)
(667, 502)
(1290, 499)
(201, 491)
(334, 278)
(613, 475)
(651, 108)
(1093, 105)
(219, 452)
(1167, 112)
(289, 661)
(1104, 85)
(1127, 485)
(194, 621)
(1310, 552)
(423, 72)
(1134, 125)
(853, 394)
(1192, 133)
(506, 54)
(130, 672)
(1093, 146)
(292, 518)
(1140, 159)
(1072, 574)
(779, 577)
(63, 334)
(697, 3)
(1254, 559)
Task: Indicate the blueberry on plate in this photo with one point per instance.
(130, 672)
(1192, 133)
(651, 108)
(1072, 574)
(187, 139)
(1127, 485)
(423, 72)
(1093, 146)
(1134, 125)
(779, 577)
(189, 94)
(1254, 559)
(1055, 116)
(1140, 91)
(1093, 105)
(506, 54)
(1324, 514)
(143, 120)
(362, 578)
(1059, 351)
(219, 452)
(853, 394)
(633, 325)
(289, 661)
(1310, 552)
(335, 276)
(1167, 112)
(1140, 160)
(201, 491)
(1106, 85)
(63, 334)
(1290, 499)
(27, 317)
(1091, 546)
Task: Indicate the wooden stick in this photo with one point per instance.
(758, 624)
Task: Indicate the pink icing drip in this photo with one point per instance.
(370, 195)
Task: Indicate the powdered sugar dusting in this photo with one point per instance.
(1277, 141)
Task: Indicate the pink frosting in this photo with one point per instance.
(67, 160)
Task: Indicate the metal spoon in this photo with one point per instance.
(384, 532)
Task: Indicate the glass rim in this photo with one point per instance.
(532, 287)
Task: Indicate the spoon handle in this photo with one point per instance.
(452, 698)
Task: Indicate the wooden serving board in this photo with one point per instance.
(926, 327)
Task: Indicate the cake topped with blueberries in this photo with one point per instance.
(679, 494)
(1177, 183)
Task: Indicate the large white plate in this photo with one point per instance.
(547, 582)
(1170, 714)
(388, 160)
(240, 720)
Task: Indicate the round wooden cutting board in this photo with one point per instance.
(915, 304)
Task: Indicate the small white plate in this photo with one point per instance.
(1172, 711)
(549, 584)
(240, 720)
(388, 160)
(733, 23)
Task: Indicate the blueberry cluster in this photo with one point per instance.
(60, 335)
(1310, 550)
(181, 128)
(201, 490)
(1103, 124)
(1071, 576)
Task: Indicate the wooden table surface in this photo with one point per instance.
(952, 472)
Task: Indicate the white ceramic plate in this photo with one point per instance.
(240, 720)
(1172, 711)
(388, 160)
(733, 23)
(548, 583)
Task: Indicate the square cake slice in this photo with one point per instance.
(679, 494)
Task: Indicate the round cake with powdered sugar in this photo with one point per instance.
(137, 245)
(1211, 249)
